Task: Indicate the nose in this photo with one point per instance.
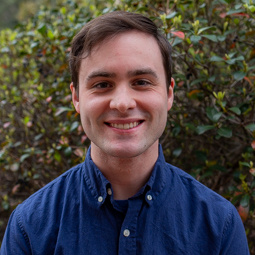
(123, 99)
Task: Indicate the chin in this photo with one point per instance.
(126, 152)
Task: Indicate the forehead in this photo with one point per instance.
(132, 46)
(129, 36)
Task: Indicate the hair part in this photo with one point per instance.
(108, 26)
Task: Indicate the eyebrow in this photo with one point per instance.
(147, 71)
(100, 73)
(136, 72)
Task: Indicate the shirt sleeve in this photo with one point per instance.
(15, 240)
(234, 240)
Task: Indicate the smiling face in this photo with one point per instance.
(123, 98)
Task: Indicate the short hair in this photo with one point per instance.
(110, 25)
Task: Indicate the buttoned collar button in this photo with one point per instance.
(149, 197)
(109, 191)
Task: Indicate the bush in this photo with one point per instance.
(210, 131)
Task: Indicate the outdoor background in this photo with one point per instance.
(210, 130)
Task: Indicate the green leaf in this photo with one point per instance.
(23, 157)
(171, 15)
(235, 110)
(251, 127)
(221, 38)
(176, 41)
(38, 137)
(233, 60)
(74, 126)
(68, 151)
(63, 10)
(216, 59)
(17, 144)
(36, 176)
(190, 126)
(34, 44)
(5, 50)
(244, 164)
(239, 75)
(211, 37)
(195, 38)
(5, 205)
(240, 58)
(213, 114)
(50, 34)
(202, 129)
(63, 109)
(236, 199)
(245, 200)
(225, 132)
(233, 12)
(212, 78)
(177, 152)
(57, 156)
(251, 68)
(206, 174)
(203, 29)
(238, 6)
(232, 54)
(218, 168)
(176, 130)
(26, 120)
(197, 81)
(42, 29)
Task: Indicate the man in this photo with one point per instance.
(124, 199)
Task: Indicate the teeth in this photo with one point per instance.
(125, 126)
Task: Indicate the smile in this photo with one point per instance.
(126, 125)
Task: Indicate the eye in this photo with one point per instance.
(102, 85)
(141, 82)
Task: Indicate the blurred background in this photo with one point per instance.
(210, 130)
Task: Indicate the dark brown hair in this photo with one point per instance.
(109, 25)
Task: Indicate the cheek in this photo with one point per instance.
(158, 105)
(92, 111)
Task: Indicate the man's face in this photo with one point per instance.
(123, 98)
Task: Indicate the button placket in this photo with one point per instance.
(127, 238)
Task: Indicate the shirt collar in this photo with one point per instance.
(158, 178)
(95, 180)
(99, 185)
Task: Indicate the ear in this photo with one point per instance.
(75, 98)
(170, 94)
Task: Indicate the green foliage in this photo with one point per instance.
(210, 130)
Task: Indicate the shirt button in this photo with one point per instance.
(100, 199)
(149, 197)
(109, 191)
(126, 232)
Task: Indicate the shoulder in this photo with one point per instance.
(37, 219)
(193, 188)
(198, 201)
(206, 215)
(52, 195)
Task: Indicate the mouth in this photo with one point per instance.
(125, 126)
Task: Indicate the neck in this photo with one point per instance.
(126, 175)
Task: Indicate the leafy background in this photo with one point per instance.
(210, 131)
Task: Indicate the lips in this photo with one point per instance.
(125, 126)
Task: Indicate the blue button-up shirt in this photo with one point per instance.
(172, 214)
